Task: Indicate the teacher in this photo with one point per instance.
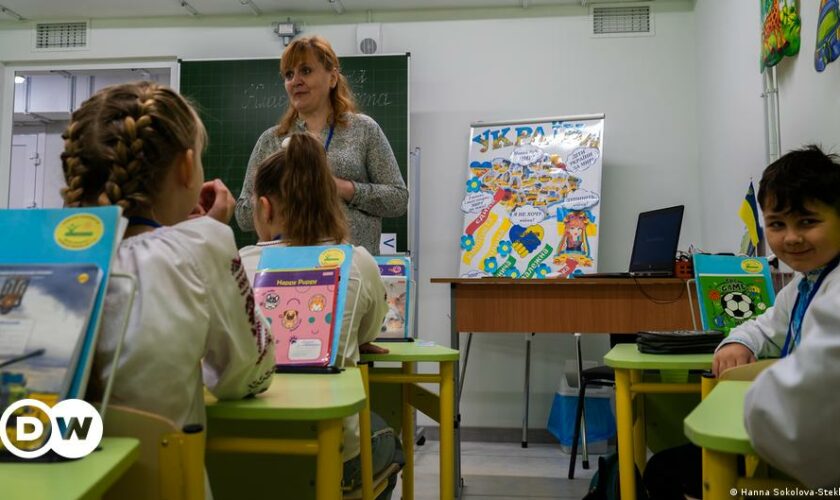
(361, 160)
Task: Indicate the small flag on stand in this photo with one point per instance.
(750, 243)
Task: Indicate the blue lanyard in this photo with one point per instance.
(794, 332)
(329, 138)
(136, 220)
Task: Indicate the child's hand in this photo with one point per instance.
(216, 201)
(368, 348)
(730, 356)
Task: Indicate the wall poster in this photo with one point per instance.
(532, 198)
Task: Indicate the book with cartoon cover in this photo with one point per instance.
(303, 293)
(732, 289)
(395, 272)
(300, 306)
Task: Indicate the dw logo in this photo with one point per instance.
(76, 428)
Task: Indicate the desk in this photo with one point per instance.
(504, 305)
(628, 364)
(322, 398)
(439, 408)
(87, 478)
(717, 426)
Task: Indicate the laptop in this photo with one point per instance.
(654, 247)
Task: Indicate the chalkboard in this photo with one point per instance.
(239, 99)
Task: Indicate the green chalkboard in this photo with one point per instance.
(239, 99)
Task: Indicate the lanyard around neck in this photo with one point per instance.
(329, 138)
(136, 220)
(794, 332)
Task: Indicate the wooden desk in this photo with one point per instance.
(628, 364)
(322, 398)
(87, 478)
(589, 305)
(594, 305)
(440, 408)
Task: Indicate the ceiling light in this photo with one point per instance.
(9, 12)
(337, 6)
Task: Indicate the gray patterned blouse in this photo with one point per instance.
(359, 153)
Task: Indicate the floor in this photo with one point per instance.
(497, 471)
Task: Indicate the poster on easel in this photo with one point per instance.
(531, 202)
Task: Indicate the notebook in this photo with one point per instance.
(396, 276)
(654, 246)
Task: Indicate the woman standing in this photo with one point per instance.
(362, 163)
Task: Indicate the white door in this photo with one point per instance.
(26, 185)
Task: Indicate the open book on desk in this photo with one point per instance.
(54, 270)
(302, 291)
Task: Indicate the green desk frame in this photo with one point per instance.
(323, 399)
(86, 478)
(628, 364)
(440, 408)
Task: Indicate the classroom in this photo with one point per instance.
(689, 119)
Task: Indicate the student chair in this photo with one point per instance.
(171, 463)
(598, 376)
(372, 486)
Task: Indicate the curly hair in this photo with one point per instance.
(341, 97)
(121, 142)
(300, 185)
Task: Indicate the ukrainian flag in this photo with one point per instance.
(749, 214)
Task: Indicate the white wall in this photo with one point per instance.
(462, 71)
(730, 110)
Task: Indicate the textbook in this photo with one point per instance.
(732, 289)
(303, 293)
(300, 306)
(396, 276)
(54, 268)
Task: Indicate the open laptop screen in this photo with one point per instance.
(657, 237)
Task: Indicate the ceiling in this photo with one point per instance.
(36, 10)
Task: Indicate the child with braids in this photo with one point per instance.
(193, 321)
(296, 203)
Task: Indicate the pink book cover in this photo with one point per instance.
(299, 305)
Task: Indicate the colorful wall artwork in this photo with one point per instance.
(828, 29)
(780, 31)
(532, 198)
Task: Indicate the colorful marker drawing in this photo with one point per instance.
(828, 29)
(532, 198)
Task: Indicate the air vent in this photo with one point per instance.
(622, 21)
(61, 36)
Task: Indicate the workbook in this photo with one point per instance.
(302, 291)
(54, 267)
(732, 289)
(396, 277)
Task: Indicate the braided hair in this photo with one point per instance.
(303, 192)
(121, 142)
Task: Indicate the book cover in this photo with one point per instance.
(44, 314)
(66, 236)
(300, 306)
(337, 258)
(732, 289)
(395, 272)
